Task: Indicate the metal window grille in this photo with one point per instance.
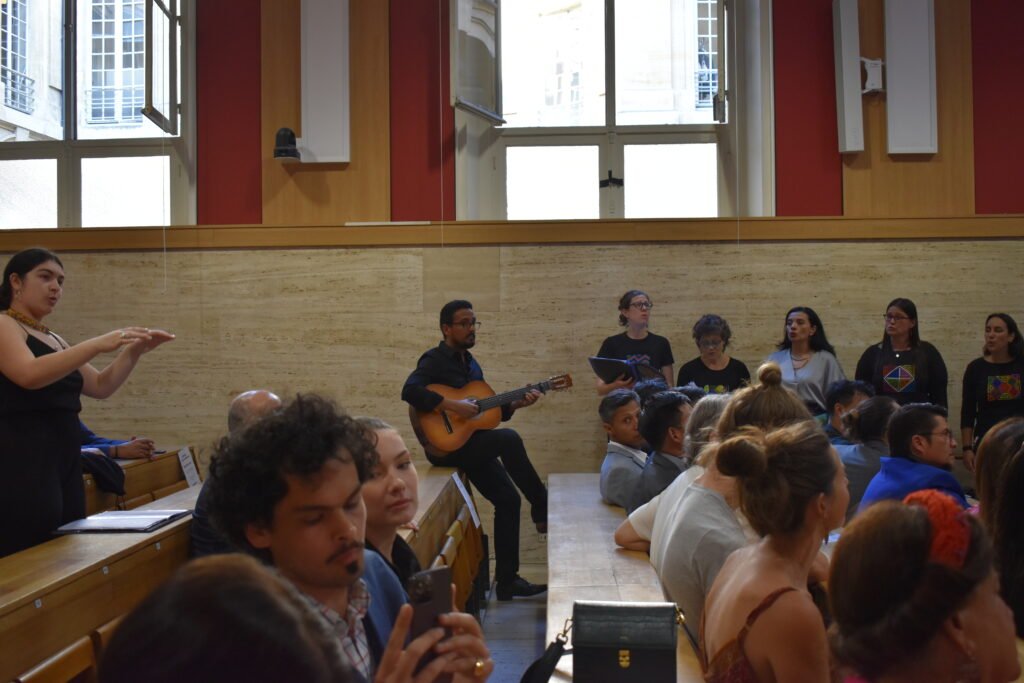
(19, 88)
(117, 92)
(706, 75)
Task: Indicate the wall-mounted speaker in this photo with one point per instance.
(911, 102)
(846, 40)
(325, 82)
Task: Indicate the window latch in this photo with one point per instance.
(614, 182)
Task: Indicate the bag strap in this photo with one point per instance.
(541, 670)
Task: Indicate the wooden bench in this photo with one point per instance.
(446, 535)
(157, 477)
(585, 564)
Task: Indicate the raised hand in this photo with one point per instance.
(153, 339)
(112, 341)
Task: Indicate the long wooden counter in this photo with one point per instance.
(585, 564)
(54, 593)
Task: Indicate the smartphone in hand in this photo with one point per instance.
(430, 594)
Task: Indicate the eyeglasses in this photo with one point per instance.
(468, 324)
(942, 432)
(710, 343)
(889, 318)
(642, 305)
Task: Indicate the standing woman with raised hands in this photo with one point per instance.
(760, 623)
(41, 380)
(637, 343)
(901, 365)
(808, 360)
(992, 383)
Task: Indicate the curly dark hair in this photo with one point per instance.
(248, 468)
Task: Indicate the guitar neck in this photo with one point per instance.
(508, 397)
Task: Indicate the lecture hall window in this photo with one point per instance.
(610, 119)
(75, 147)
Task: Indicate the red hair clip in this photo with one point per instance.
(951, 532)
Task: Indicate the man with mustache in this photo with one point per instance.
(450, 363)
(288, 489)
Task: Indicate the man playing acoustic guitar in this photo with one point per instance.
(450, 363)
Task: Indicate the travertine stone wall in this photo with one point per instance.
(351, 322)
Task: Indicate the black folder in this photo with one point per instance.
(610, 369)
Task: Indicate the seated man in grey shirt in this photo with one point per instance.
(663, 427)
(625, 457)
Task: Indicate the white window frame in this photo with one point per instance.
(612, 138)
(70, 151)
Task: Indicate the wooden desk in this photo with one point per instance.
(585, 564)
(54, 593)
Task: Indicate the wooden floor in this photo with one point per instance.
(515, 629)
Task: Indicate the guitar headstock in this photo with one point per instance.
(560, 382)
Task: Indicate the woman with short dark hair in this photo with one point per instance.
(992, 383)
(902, 365)
(637, 344)
(914, 596)
(713, 370)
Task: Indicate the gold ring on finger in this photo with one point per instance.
(479, 667)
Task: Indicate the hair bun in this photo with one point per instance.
(743, 455)
(770, 374)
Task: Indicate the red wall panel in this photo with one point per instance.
(808, 167)
(228, 163)
(997, 60)
(422, 120)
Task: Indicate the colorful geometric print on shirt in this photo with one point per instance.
(1003, 387)
(899, 379)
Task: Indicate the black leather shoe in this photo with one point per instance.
(519, 588)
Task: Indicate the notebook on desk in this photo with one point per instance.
(123, 521)
(610, 369)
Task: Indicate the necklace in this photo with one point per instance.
(25, 320)
(798, 361)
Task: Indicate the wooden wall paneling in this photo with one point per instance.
(630, 232)
(319, 194)
(878, 185)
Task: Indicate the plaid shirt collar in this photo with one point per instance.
(350, 628)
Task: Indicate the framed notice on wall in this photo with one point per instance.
(475, 34)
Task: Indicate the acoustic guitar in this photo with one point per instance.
(441, 432)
